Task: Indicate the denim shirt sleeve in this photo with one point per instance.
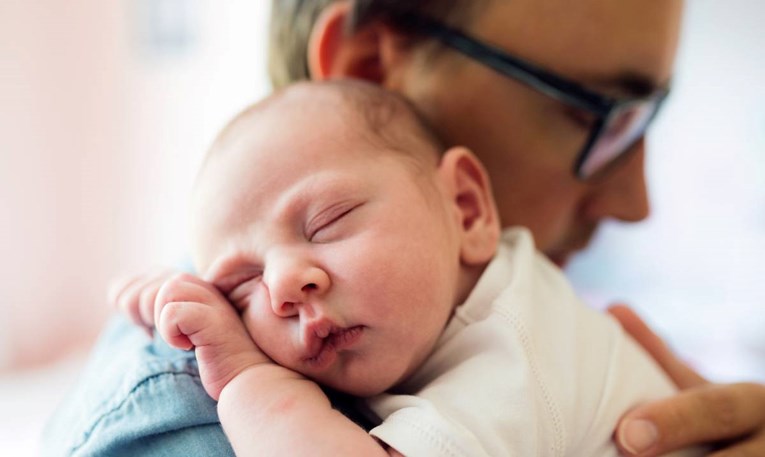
(136, 397)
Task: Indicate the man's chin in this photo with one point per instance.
(565, 252)
(560, 260)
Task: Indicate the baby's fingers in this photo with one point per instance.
(179, 322)
(184, 306)
(148, 296)
(129, 294)
(184, 287)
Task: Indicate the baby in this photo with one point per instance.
(358, 253)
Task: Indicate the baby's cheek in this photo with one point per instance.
(256, 310)
(269, 333)
(256, 324)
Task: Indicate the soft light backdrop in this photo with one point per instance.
(106, 108)
(695, 268)
(105, 111)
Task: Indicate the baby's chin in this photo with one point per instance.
(357, 387)
(365, 382)
(352, 374)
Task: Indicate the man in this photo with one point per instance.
(538, 134)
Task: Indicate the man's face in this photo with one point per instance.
(333, 251)
(529, 141)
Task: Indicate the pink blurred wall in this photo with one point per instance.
(62, 155)
(99, 139)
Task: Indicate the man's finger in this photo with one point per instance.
(682, 375)
(753, 446)
(703, 414)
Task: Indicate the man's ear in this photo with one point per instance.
(468, 186)
(333, 52)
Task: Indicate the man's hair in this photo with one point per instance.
(293, 20)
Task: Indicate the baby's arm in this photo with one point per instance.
(264, 408)
(265, 411)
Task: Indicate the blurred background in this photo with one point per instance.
(106, 109)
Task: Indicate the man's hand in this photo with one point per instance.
(729, 416)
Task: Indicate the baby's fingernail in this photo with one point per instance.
(637, 435)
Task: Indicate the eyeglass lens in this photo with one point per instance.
(623, 128)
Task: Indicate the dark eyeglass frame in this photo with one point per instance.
(605, 108)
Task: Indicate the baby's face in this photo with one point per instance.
(343, 260)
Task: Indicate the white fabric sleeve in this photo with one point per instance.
(415, 428)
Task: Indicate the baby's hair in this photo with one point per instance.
(392, 121)
(388, 120)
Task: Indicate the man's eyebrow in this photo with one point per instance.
(628, 83)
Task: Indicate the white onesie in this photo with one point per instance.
(524, 368)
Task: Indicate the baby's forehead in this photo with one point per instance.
(355, 116)
(271, 146)
(290, 173)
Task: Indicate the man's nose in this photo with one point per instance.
(293, 284)
(622, 193)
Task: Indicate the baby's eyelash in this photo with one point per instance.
(328, 217)
(329, 223)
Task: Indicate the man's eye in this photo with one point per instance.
(581, 118)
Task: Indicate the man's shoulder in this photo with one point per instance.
(136, 395)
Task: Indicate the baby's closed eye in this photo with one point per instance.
(326, 227)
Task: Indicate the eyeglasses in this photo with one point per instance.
(619, 123)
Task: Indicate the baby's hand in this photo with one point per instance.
(135, 295)
(191, 313)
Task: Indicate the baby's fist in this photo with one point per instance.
(186, 309)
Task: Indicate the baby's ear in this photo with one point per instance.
(469, 188)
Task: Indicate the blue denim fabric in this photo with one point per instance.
(136, 397)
